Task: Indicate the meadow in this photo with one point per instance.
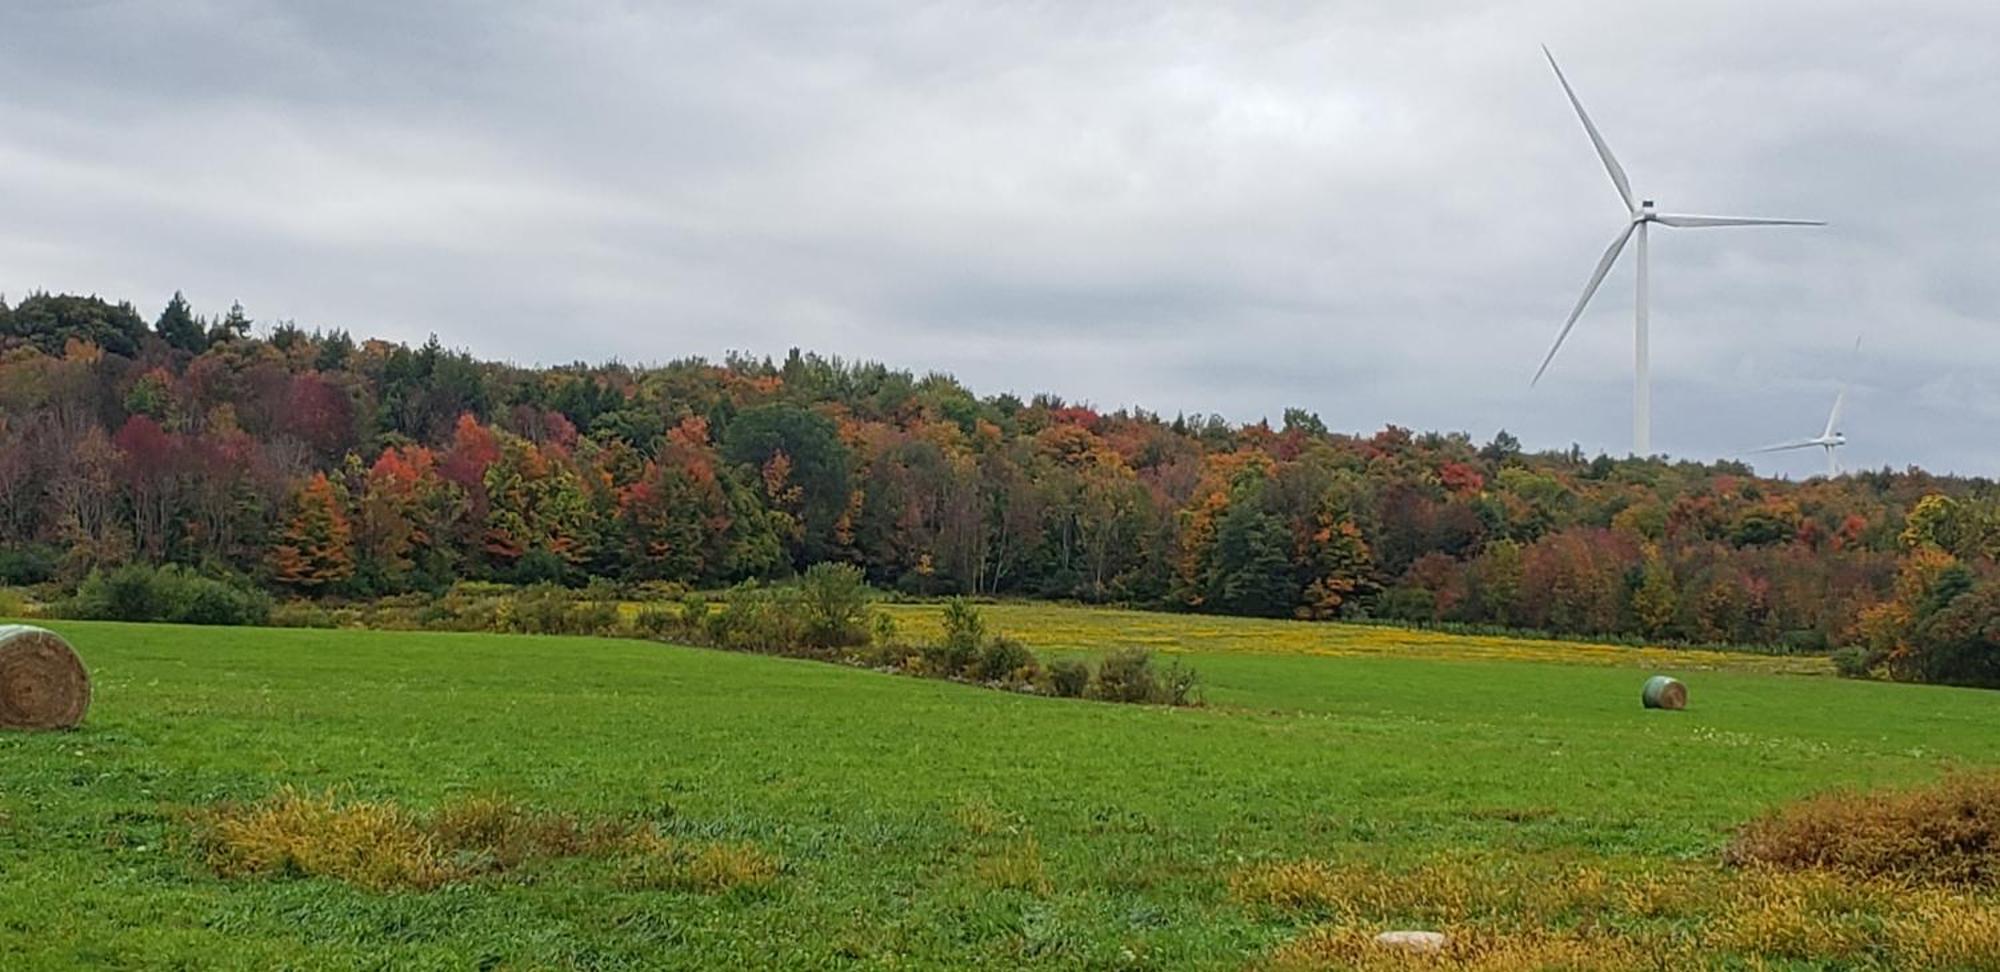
(1339, 780)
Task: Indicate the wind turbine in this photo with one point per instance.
(1641, 216)
(1831, 438)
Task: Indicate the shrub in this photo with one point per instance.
(26, 565)
(964, 636)
(1127, 675)
(1001, 658)
(540, 566)
(834, 599)
(1069, 677)
(302, 614)
(757, 618)
(1179, 684)
(138, 592)
(1945, 833)
(1855, 662)
(694, 611)
(656, 622)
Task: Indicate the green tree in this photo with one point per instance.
(177, 326)
(235, 326)
(51, 322)
(1251, 570)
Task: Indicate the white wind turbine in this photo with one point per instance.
(1831, 438)
(1641, 216)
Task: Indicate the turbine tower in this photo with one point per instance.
(1641, 216)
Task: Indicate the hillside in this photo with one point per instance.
(320, 466)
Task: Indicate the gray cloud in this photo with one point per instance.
(1378, 212)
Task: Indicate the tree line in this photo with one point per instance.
(316, 465)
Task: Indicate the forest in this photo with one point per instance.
(313, 465)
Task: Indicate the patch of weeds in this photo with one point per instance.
(1523, 915)
(380, 846)
(1015, 866)
(1946, 833)
(653, 862)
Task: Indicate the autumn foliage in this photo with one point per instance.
(325, 466)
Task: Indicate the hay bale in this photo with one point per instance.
(1662, 692)
(42, 682)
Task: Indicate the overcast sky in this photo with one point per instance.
(1377, 211)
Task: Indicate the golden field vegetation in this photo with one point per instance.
(1060, 627)
(1903, 879)
(381, 846)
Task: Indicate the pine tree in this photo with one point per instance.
(177, 326)
(234, 327)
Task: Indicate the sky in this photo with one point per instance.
(1377, 212)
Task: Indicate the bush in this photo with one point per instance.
(657, 622)
(539, 566)
(548, 609)
(26, 565)
(1179, 685)
(302, 614)
(1127, 675)
(1945, 833)
(1001, 658)
(1069, 677)
(138, 592)
(834, 599)
(757, 618)
(1855, 662)
(12, 604)
(694, 611)
(964, 636)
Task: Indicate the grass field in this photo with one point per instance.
(917, 823)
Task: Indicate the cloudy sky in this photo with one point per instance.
(1379, 212)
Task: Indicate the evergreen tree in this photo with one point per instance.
(233, 327)
(1251, 570)
(177, 326)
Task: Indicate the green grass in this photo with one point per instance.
(908, 814)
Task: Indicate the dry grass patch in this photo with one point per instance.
(1946, 833)
(1016, 866)
(1347, 947)
(654, 862)
(380, 846)
(1504, 916)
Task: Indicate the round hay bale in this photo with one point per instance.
(1664, 693)
(42, 682)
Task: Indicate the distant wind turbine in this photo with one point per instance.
(1642, 214)
(1831, 438)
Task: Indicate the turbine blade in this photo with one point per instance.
(1603, 151)
(1833, 417)
(1694, 222)
(1782, 446)
(1603, 267)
